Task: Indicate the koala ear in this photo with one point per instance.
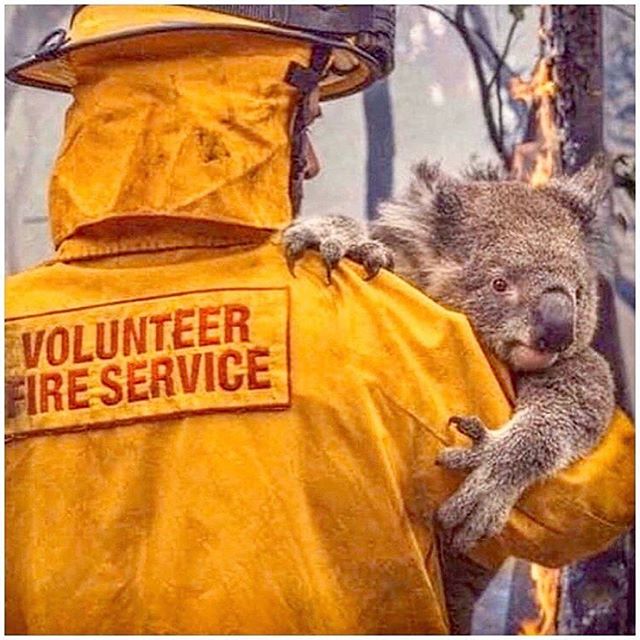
(425, 178)
(585, 190)
(477, 171)
(430, 185)
(582, 193)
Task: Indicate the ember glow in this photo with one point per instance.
(546, 583)
(537, 159)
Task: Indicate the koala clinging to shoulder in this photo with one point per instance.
(522, 264)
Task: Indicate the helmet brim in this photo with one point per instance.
(52, 70)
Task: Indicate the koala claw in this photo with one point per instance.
(470, 426)
(463, 458)
(372, 255)
(296, 242)
(318, 235)
(332, 251)
(291, 262)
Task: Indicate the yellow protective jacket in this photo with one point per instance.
(288, 491)
(197, 442)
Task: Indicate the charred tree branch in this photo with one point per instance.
(470, 38)
(496, 75)
(485, 94)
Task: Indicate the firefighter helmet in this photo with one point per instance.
(359, 38)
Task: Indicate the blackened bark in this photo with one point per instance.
(596, 594)
(577, 41)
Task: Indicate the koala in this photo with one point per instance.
(522, 264)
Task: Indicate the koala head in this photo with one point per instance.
(520, 262)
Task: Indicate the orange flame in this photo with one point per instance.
(537, 160)
(546, 583)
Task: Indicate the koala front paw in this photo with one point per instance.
(302, 237)
(480, 507)
(466, 459)
(335, 237)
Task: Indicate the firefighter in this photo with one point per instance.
(196, 441)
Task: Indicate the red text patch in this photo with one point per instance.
(128, 361)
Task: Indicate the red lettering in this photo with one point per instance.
(112, 384)
(78, 356)
(132, 381)
(63, 350)
(236, 317)
(32, 355)
(223, 370)
(165, 376)
(14, 393)
(32, 405)
(131, 335)
(206, 322)
(254, 368)
(189, 381)
(160, 320)
(180, 327)
(209, 372)
(101, 350)
(76, 387)
(46, 391)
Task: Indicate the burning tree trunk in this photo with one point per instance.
(565, 98)
(542, 597)
(538, 158)
(594, 593)
(576, 37)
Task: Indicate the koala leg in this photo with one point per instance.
(561, 414)
(335, 237)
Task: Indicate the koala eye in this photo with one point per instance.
(578, 293)
(500, 285)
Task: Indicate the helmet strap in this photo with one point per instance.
(305, 79)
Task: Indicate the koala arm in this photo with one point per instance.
(569, 406)
(575, 513)
(560, 415)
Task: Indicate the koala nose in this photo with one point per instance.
(552, 321)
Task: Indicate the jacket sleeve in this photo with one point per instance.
(432, 368)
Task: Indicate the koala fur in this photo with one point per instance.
(522, 264)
